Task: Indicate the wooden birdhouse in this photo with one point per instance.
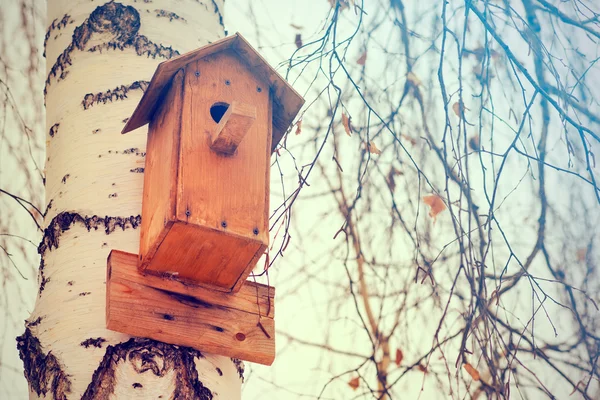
(215, 115)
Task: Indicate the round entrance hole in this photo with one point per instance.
(217, 111)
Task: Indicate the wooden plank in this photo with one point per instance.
(287, 102)
(252, 297)
(232, 127)
(163, 75)
(200, 254)
(213, 322)
(160, 171)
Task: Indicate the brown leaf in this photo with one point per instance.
(372, 148)
(362, 59)
(435, 203)
(581, 254)
(299, 127)
(347, 124)
(354, 383)
(472, 371)
(296, 26)
(399, 357)
(580, 383)
(413, 79)
(409, 139)
(391, 177)
(474, 142)
(422, 368)
(298, 40)
(459, 109)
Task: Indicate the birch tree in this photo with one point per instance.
(100, 57)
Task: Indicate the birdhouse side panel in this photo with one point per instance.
(160, 172)
(228, 193)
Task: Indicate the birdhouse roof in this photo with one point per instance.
(286, 101)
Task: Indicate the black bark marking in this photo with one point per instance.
(96, 131)
(137, 385)
(168, 14)
(64, 179)
(132, 150)
(218, 12)
(70, 283)
(219, 371)
(118, 93)
(84, 293)
(43, 371)
(218, 328)
(56, 25)
(112, 195)
(63, 222)
(239, 365)
(138, 170)
(42, 277)
(169, 317)
(96, 342)
(117, 20)
(54, 130)
(149, 355)
(33, 323)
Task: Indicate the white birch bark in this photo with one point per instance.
(100, 56)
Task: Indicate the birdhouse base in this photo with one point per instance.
(239, 325)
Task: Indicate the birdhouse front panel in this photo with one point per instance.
(218, 227)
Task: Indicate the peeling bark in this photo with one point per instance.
(118, 20)
(147, 355)
(56, 25)
(43, 371)
(65, 220)
(118, 93)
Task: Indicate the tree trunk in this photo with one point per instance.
(100, 57)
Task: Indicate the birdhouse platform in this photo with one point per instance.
(239, 325)
(215, 116)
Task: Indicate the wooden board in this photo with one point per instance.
(172, 312)
(160, 172)
(287, 102)
(232, 128)
(210, 257)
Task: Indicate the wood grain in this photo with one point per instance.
(232, 127)
(160, 172)
(224, 324)
(286, 101)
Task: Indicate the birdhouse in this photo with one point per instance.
(215, 115)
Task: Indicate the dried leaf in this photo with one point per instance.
(399, 357)
(422, 368)
(299, 127)
(372, 148)
(413, 79)
(354, 383)
(581, 254)
(409, 139)
(391, 177)
(459, 109)
(362, 59)
(435, 203)
(296, 26)
(347, 124)
(474, 142)
(298, 40)
(472, 371)
(343, 4)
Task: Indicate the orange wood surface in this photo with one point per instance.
(232, 128)
(215, 322)
(287, 102)
(199, 254)
(160, 172)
